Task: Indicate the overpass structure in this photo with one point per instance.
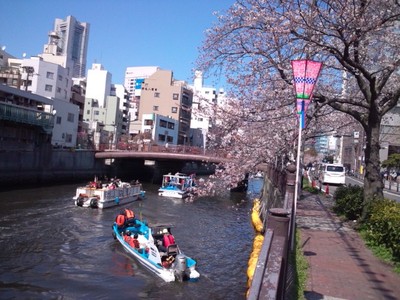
(163, 153)
(150, 163)
(159, 156)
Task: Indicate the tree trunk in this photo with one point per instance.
(373, 185)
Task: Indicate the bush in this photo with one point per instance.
(311, 189)
(348, 201)
(383, 225)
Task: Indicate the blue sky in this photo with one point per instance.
(123, 33)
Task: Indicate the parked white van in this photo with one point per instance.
(333, 174)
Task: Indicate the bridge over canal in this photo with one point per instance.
(153, 162)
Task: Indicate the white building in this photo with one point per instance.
(98, 84)
(102, 110)
(44, 78)
(134, 78)
(53, 82)
(160, 128)
(123, 96)
(203, 99)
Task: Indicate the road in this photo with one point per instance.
(389, 194)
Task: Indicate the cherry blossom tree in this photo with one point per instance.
(253, 43)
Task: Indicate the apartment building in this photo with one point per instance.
(204, 97)
(162, 95)
(53, 82)
(134, 78)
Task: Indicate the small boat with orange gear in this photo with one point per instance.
(103, 195)
(154, 248)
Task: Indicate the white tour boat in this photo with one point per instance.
(98, 195)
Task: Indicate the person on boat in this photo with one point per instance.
(128, 237)
(120, 220)
(168, 239)
(160, 246)
(134, 242)
(168, 262)
(129, 214)
(130, 217)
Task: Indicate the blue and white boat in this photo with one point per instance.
(166, 261)
(177, 186)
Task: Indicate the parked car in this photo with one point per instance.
(332, 173)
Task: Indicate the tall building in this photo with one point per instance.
(134, 78)
(204, 97)
(72, 41)
(163, 95)
(98, 84)
(102, 110)
(321, 144)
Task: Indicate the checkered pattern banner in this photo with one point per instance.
(305, 75)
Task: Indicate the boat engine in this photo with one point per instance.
(80, 201)
(93, 203)
(180, 267)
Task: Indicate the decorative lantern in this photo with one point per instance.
(305, 75)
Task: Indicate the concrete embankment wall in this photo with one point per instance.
(273, 195)
(46, 166)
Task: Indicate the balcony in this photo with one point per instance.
(27, 116)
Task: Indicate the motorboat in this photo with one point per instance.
(98, 195)
(155, 249)
(179, 185)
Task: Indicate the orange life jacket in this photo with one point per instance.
(120, 220)
(129, 213)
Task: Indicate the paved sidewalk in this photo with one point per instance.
(341, 267)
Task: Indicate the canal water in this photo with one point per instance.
(51, 249)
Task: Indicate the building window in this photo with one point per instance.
(170, 139)
(58, 90)
(174, 110)
(68, 138)
(157, 95)
(161, 138)
(48, 88)
(148, 122)
(175, 96)
(70, 117)
(50, 75)
(96, 112)
(58, 120)
(59, 77)
(163, 123)
(171, 125)
(155, 107)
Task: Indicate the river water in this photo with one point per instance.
(51, 249)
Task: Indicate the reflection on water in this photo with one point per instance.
(51, 249)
